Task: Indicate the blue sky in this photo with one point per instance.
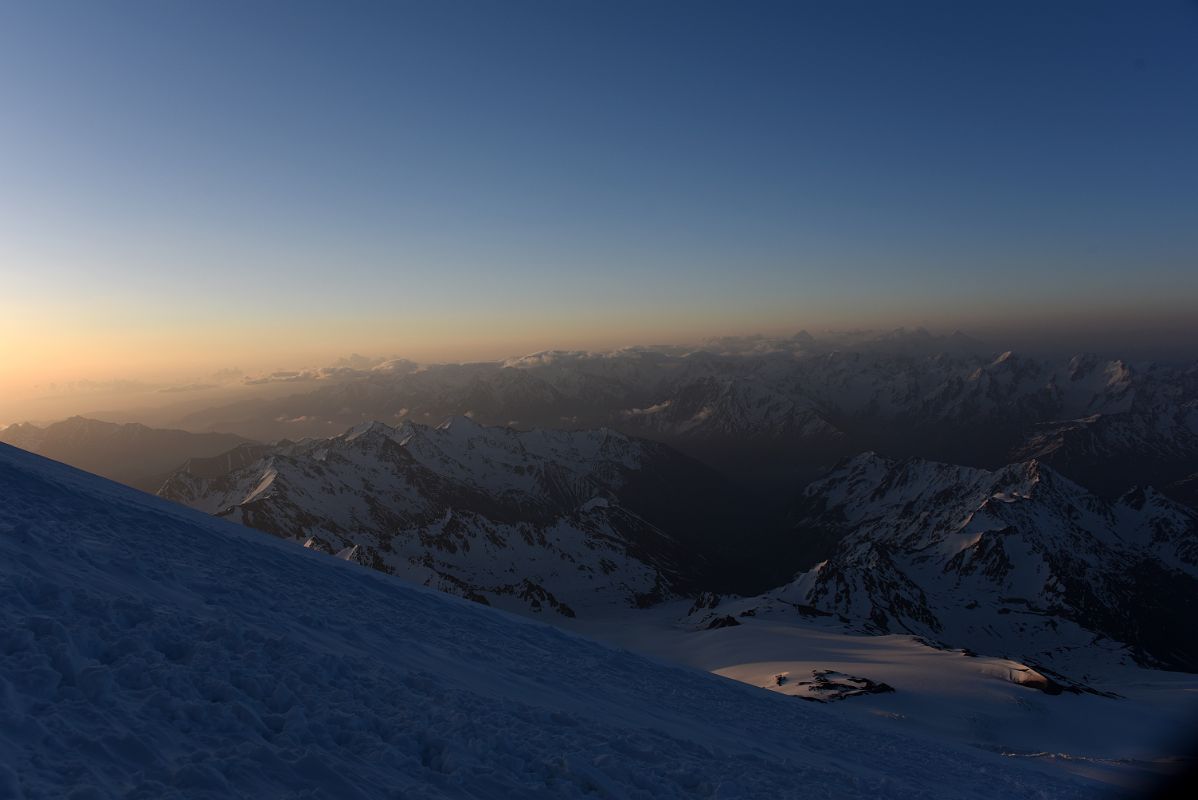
(541, 173)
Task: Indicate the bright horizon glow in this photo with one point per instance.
(191, 187)
(83, 382)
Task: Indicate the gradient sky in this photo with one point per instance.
(191, 185)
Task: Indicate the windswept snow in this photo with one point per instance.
(147, 650)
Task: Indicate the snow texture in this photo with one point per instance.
(147, 650)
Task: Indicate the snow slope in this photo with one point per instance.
(147, 650)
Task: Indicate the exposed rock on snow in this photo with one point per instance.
(828, 685)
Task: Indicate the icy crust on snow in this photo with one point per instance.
(147, 650)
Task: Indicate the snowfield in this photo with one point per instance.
(150, 651)
(1132, 732)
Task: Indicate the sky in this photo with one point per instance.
(190, 186)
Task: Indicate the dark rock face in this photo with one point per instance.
(1184, 491)
(828, 686)
(705, 600)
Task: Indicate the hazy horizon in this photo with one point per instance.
(125, 396)
(185, 190)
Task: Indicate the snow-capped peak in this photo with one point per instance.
(1019, 557)
(527, 519)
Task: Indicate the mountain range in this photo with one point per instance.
(770, 414)
(553, 520)
(130, 453)
(1018, 562)
(779, 412)
(757, 507)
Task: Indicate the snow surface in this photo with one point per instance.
(1129, 740)
(147, 650)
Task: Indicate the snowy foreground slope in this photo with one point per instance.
(147, 650)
